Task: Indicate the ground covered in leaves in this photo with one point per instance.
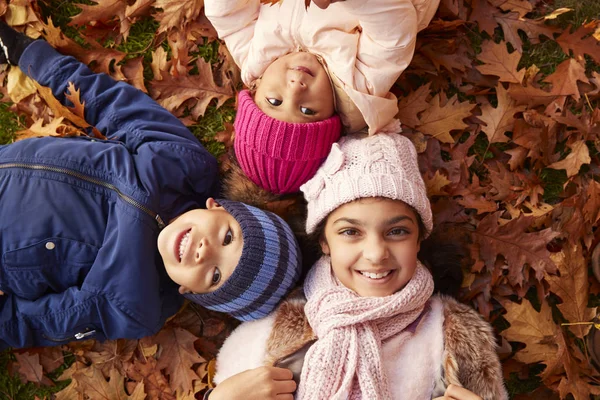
(501, 101)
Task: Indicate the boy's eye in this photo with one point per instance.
(274, 102)
(228, 238)
(216, 276)
(307, 111)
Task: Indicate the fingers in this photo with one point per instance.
(280, 374)
(454, 392)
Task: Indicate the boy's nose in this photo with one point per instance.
(202, 251)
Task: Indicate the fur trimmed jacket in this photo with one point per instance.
(366, 45)
(451, 344)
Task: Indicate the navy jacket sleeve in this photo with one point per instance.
(169, 159)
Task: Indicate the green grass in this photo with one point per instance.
(9, 123)
(11, 387)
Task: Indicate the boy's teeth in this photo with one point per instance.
(373, 275)
(182, 244)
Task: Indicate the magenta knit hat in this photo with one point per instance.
(276, 155)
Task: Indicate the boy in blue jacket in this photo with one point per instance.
(80, 220)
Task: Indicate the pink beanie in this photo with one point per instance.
(382, 165)
(276, 155)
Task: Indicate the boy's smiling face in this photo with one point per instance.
(373, 244)
(295, 88)
(201, 248)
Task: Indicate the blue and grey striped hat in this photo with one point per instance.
(269, 267)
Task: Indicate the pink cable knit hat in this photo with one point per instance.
(382, 165)
(276, 155)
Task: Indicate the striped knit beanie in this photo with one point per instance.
(280, 156)
(269, 267)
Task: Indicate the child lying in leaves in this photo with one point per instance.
(81, 219)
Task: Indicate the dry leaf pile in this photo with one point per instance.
(489, 134)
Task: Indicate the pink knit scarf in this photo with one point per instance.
(346, 361)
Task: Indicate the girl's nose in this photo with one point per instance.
(375, 251)
(296, 84)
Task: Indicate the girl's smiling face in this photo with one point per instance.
(295, 88)
(373, 245)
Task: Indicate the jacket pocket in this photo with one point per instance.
(48, 266)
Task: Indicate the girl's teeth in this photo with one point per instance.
(182, 244)
(373, 275)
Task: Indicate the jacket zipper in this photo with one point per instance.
(77, 336)
(95, 181)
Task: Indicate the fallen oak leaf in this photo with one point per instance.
(30, 369)
(499, 62)
(565, 77)
(512, 23)
(435, 184)
(578, 156)
(500, 119)
(535, 329)
(516, 245)
(177, 357)
(438, 121)
(581, 42)
(521, 7)
(103, 11)
(176, 13)
(412, 104)
(572, 288)
(95, 387)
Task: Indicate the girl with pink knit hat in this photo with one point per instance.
(312, 70)
(369, 326)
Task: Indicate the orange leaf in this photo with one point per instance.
(438, 121)
(178, 356)
(516, 245)
(572, 287)
(500, 119)
(578, 156)
(411, 105)
(498, 61)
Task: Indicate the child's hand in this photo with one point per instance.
(1, 292)
(457, 393)
(261, 383)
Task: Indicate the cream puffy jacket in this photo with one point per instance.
(366, 44)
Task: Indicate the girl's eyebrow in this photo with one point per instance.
(399, 218)
(348, 220)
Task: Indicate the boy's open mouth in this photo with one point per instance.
(181, 244)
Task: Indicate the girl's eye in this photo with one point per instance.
(228, 238)
(216, 276)
(398, 232)
(307, 111)
(274, 102)
(349, 232)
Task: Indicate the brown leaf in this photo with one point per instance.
(591, 209)
(578, 156)
(196, 91)
(410, 106)
(112, 354)
(512, 23)
(435, 184)
(500, 119)
(564, 79)
(30, 368)
(516, 245)
(581, 42)
(438, 121)
(155, 384)
(177, 357)
(535, 329)
(483, 13)
(95, 387)
(177, 13)
(521, 7)
(104, 11)
(572, 287)
(498, 61)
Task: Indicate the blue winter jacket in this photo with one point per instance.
(80, 217)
